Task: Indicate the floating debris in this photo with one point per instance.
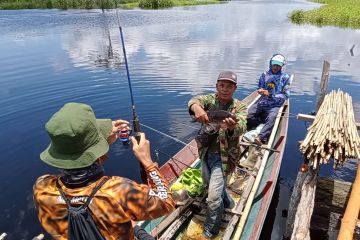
(352, 50)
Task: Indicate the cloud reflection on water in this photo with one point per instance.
(239, 36)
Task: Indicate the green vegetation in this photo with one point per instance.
(59, 4)
(98, 4)
(155, 4)
(342, 13)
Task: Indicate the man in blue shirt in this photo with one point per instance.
(273, 87)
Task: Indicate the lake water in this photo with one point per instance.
(51, 57)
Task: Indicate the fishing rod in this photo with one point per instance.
(135, 120)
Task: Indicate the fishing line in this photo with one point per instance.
(187, 125)
(174, 159)
(167, 135)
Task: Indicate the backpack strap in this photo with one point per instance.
(62, 194)
(92, 194)
(103, 181)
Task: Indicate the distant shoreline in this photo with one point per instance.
(100, 4)
(340, 13)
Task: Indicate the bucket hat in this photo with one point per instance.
(78, 139)
(227, 76)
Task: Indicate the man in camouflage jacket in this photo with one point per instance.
(219, 151)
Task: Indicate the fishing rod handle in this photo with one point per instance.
(137, 136)
(137, 131)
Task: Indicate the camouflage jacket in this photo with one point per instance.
(229, 142)
(117, 202)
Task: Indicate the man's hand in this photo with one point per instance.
(229, 123)
(263, 92)
(142, 150)
(200, 114)
(117, 126)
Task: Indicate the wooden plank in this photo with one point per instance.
(244, 196)
(180, 161)
(267, 189)
(169, 233)
(311, 118)
(171, 218)
(305, 207)
(323, 84)
(249, 201)
(307, 179)
(241, 203)
(330, 200)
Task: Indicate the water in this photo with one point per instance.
(51, 57)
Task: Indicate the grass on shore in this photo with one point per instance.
(98, 4)
(341, 13)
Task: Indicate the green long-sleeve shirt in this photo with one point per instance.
(228, 142)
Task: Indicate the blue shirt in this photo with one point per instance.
(278, 86)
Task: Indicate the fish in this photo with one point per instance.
(217, 116)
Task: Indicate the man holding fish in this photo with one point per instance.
(223, 120)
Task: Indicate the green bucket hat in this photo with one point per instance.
(78, 139)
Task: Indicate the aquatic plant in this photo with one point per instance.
(297, 16)
(155, 4)
(342, 13)
(60, 4)
(100, 4)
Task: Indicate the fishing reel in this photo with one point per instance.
(124, 136)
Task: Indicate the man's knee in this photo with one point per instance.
(272, 116)
(215, 193)
(214, 200)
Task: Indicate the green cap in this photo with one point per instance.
(78, 139)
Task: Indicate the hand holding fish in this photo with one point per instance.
(229, 123)
(200, 114)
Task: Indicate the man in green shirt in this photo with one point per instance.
(218, 145)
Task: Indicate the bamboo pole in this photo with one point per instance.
(244, 196)
(333, 132)
(250, 200)
(242, 201)
(39, 237)
(351, 215)
(2, 236)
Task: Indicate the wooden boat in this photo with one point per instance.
(251, 188)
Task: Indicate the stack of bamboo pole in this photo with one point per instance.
(333, 133)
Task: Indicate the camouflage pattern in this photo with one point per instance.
(118, 201)
(229, 144)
